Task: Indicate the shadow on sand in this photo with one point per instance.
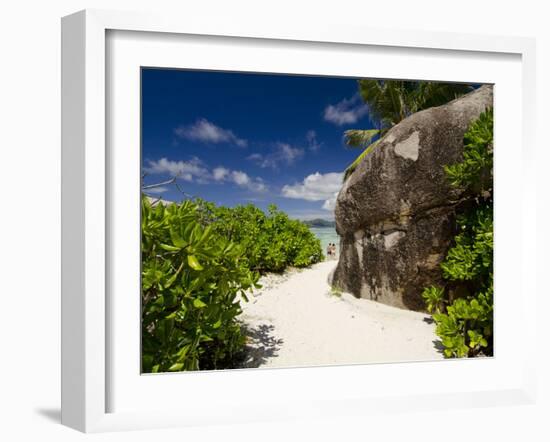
(438, 345)
(261, 345)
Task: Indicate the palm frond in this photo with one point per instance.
(372, 92)
(360, 138)
(393, 100)
(430, 94)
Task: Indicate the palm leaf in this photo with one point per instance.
(360, 138)
(430, 94)
(393, 100)
(372, 92)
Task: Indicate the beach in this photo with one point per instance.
(296, 320)
(327, 235)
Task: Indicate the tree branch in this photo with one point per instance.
(164, 183)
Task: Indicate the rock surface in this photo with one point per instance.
(395, 214)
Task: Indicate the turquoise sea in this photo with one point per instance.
(327, 235)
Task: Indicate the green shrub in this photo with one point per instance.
(466, 328)
(191, 281)
(434, 298)
(271, 242)
(471, 258)
(478, 155)
(197, 261)
(465, 324)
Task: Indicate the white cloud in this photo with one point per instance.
(196, 170)
(259, 187)
(313, 143)
(316, 187)
(255, 157)
(347, 111)
(186, 170)
(159, 189)
(207, 132)
(288, 154)
(283, 153)
(219, 173)
(330, 203)
(240, 178)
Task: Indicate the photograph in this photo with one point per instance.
(233, 220)
(306, 220)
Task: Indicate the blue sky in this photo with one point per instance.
(238, 138)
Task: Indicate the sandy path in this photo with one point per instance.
(295, 320)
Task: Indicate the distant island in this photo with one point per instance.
(318, 222)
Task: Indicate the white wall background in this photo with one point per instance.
(30, 215)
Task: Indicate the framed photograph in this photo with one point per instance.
(315, 222)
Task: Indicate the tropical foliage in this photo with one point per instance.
(391, 101)
(192, 279)
(198, 262)
(270, 242)
(465, 322)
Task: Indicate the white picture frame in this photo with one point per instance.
(86, 317)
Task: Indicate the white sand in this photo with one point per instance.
(294, 320)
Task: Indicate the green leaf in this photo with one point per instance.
(177, 239)
(183, 352)
(198, 303)
(178, 366)
(189, 316)
(170, 248)
(194, 262)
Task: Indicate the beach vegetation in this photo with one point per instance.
(198, 262)
(271, 241)
(192, 279)
(465, 324)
